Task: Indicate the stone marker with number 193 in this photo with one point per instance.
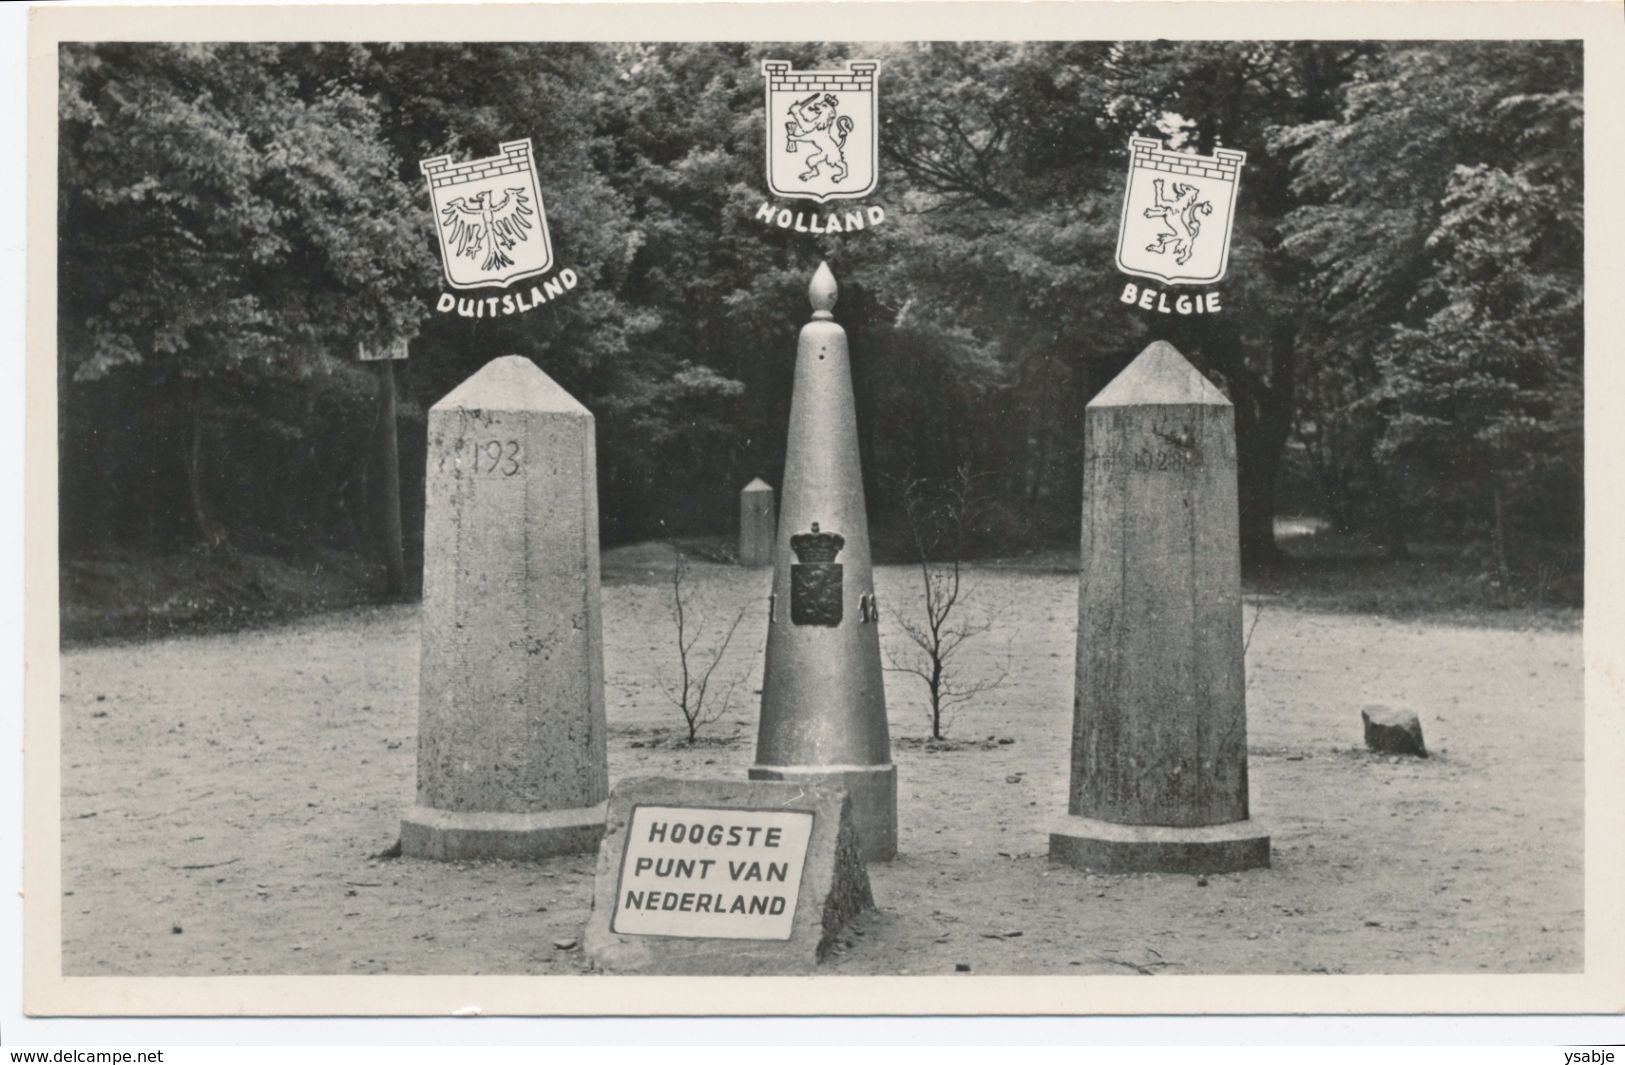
(511, 753)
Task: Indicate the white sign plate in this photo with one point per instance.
(393, 353)
(711, 873)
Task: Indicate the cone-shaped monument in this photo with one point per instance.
(511, 760)
(756, 524)
(823, 714)
(1159, 731)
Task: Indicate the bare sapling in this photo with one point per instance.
(939, 524)
(693, 694)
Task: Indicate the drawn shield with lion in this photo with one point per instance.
(1177, 213)
(822, 131)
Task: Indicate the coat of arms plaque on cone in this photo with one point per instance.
(815, 578)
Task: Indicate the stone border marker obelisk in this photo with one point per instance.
(511, 757)
(1159, 734)
(756, 525)
(823, 718)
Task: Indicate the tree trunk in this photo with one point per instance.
(1263, 404)
(936, 692)
(1263, 421)
(1503, 572)
(210, 533)
(1394, 527)
(390, 457)
(861, 338)
(86, 491)
(1256, 492)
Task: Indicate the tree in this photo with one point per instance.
(226, 227)
(939, 529)
(234, 216)
(1443, 232)
(1235, 93)
(1490, 383)
(994, 278)
(692, 695)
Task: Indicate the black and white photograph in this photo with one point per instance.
(821, 503)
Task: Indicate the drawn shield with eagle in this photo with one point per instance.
(489, 218)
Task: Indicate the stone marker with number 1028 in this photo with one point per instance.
(511, 744)
(1159, 736)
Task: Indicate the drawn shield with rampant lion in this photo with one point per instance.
(489, 218)
(823, 131)
(1177, 213)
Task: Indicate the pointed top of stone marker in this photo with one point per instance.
(822, 291)
(757, 485)
(514, 383)
(1160, 376)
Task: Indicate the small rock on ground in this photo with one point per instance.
(1393, 731)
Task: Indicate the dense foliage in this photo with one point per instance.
(1403, 310)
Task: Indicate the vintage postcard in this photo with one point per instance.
(956, 508)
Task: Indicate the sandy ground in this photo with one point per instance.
(225, 798)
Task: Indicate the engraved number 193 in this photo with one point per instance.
(496, 456)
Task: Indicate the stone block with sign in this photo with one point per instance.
(724, 877)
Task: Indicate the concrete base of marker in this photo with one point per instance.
(452, 836)
(872, 789)
(1105, 847)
